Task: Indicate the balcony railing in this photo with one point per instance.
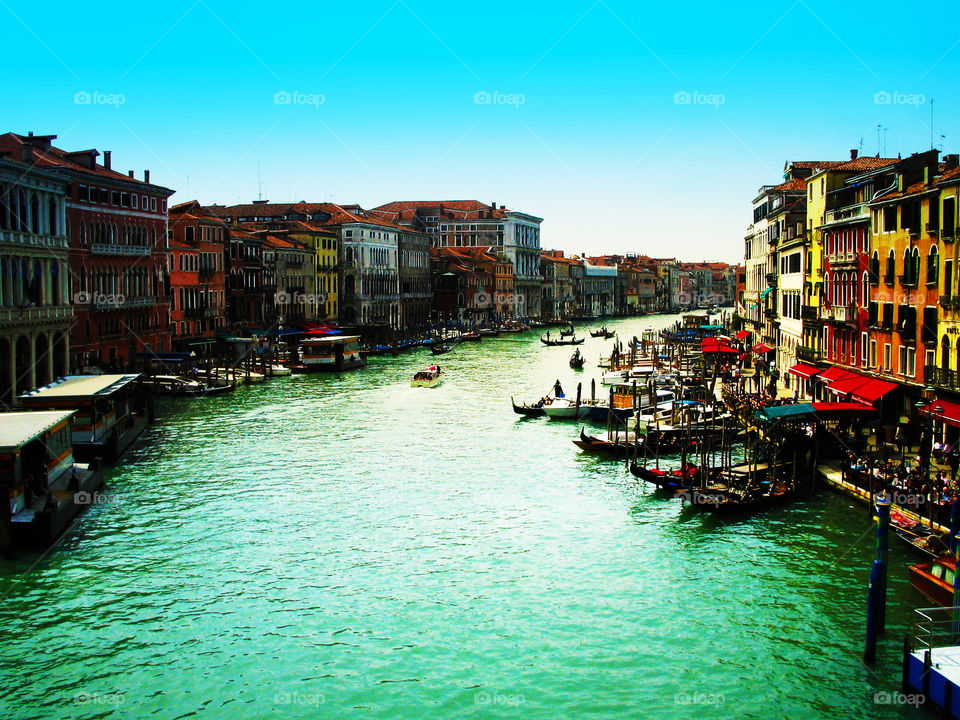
(809, 312)
(946, 301)
(29, 315)
(808, 354)
(949, 379)
(112, 249)
(908, 280)
(111, 302)
(843, 313)
(15, 237)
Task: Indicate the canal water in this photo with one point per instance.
(348, 546)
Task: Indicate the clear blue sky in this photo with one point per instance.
(601, 146)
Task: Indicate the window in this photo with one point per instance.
(933, 266)
(929, 332)
(948, 219)
(873, 354)
(863, 348)
(890, 219)
(947, 277)
(153, 204)
(133, 201)
(887, 353)
(891, 271)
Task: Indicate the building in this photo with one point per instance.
(246, 287)
(290, 267)
(470, 223)
(416, 281)
(117, 226)
(35, 310)
(599, 289)
(197, 276)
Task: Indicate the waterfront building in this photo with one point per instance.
(415, 272)
(289, 267)
(469, 223)
(786, 223)
(903, 316)
(599, 287)
(244, 284)
(945, 376)
(35, 309)
(197, 278)
(117, 226)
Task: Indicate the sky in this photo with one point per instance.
(626, 127)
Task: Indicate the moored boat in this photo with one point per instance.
(179, 386)
(934, 580)
(428, 377)
(334, 353)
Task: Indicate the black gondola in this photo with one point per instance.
(535, 410)
(602, 333)
(554, 343)
(441, 349)
(577, 360)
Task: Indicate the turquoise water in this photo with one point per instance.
(327, 547)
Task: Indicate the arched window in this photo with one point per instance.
(933, 266)
(891, 271)
(54, 217)
(945, 353)
(875, 268)
(35, 214)
(865, 290)
(844, 298)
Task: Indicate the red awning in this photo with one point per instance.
(833, 373)
(804, 371)
(873, 390)
(840, 410)
(846, 385)
(760, 349)
(743, 334)
(721, 350)
(950, 414)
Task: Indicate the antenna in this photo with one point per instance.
(259, 183)
(931, 123)
(878, 139)
(860, 146)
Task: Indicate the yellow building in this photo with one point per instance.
(948, 353)
(326, 247)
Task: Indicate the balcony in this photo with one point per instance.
(809, 312)
(27, 239)
(948, 379)
(126, 250)
(843, 313)
(770, 314)
(206, 272)
(932, 229)
(908, 280)
(119, 302)
(35, 315)
(772, 279)
(808, 354)
(946, 301)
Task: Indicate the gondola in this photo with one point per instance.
(535, 410)
(602, 333)
(599, 446)
(568, 333)
(470, 337)
(666, 479)
(577, 360)
(554, 343)
(921, 538)
(441, 349)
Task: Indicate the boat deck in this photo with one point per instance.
(941, 684)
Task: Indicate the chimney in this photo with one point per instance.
(130, 173)
(146, 176)
(853, 154)
(951, 161)
(106, 159)
(493, 205)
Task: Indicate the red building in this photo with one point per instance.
(197, 278)
(117, 230)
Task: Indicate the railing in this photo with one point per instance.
(808, 354)
(772, 279)
(770, 314)
(15, 237)
(932, 228)
(843, 313)
(111, 249)
(946, 301)
(43, 313)
(809, 312)
(206, 272)
(110, 302)
(908, 280)
(948, 379)
(935, 627)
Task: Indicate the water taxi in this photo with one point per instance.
(935, 579)
(429, 377)
(333, 353)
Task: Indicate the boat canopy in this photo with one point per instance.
(811, 412)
